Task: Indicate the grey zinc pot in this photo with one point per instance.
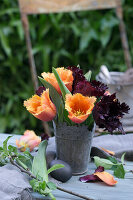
(73, 145)
(124, 92)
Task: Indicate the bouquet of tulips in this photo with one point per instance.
(70, 96)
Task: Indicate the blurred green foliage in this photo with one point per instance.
(86, 38)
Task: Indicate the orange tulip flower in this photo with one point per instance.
(28, 140)
(79, 107)
(65, 75)
(41, 106)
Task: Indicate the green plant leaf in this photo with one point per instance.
(107, 164)
(55, 98)
(26, 160)
(5, 145)
(122, 157)
(12, 149)
(51, 186)
(57, 166)
(62, 86)
(39, 167)
(119, 172)
(21, 163)
(88, 75)
(112, 159)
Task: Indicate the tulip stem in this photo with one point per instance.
(27, 171)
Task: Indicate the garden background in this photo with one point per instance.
(89, 39)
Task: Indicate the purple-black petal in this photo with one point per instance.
(92, 177)
(108, 112)
(100, 88)
(40, 90)
(44, 136)
(99, 169)
(93, 88)
(88, 178)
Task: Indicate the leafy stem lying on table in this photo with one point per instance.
(35, 167)
(110, 163)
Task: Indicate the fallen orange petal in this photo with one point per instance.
(108, 151)
(106, 178)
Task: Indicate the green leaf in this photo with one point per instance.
(39, 167)
(5, 44)
(88, 75)
(122, 157)
(12, 149)
(51, 186)
(21, 163)
(54, 167)
(55, 98)
(112, 159)
(42, 185)
(62, 86)
(28, 154)
(86, 37)
(5, 145)
(119, 172)
(90, 122)
(107, 164)
(1, 149)
(26, 160)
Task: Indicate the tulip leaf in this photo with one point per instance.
(55, 98)
(107, 164)
(62, 86)
(54, 167)
(88, 75)
(39, 167)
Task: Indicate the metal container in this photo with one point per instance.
(73, 145)
(123, 89)
(124, 92)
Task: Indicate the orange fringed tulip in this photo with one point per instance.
(65, 75)
(28, 140)
(106, 177)
(79, 107)
(41, 106)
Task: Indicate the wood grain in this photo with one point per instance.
(55, 6)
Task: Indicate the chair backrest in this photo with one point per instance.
(28, 7)
(56, 6)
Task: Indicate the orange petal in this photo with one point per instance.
(33, 143)
(79, 107)
(41, 107)
(106, 178)
(78, 119)
(108, 151)
(65, 75)
(28, 140)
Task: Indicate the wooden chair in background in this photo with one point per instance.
(28, 7)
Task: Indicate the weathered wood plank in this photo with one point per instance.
(55, 6)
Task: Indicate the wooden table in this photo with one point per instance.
(123, 190)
